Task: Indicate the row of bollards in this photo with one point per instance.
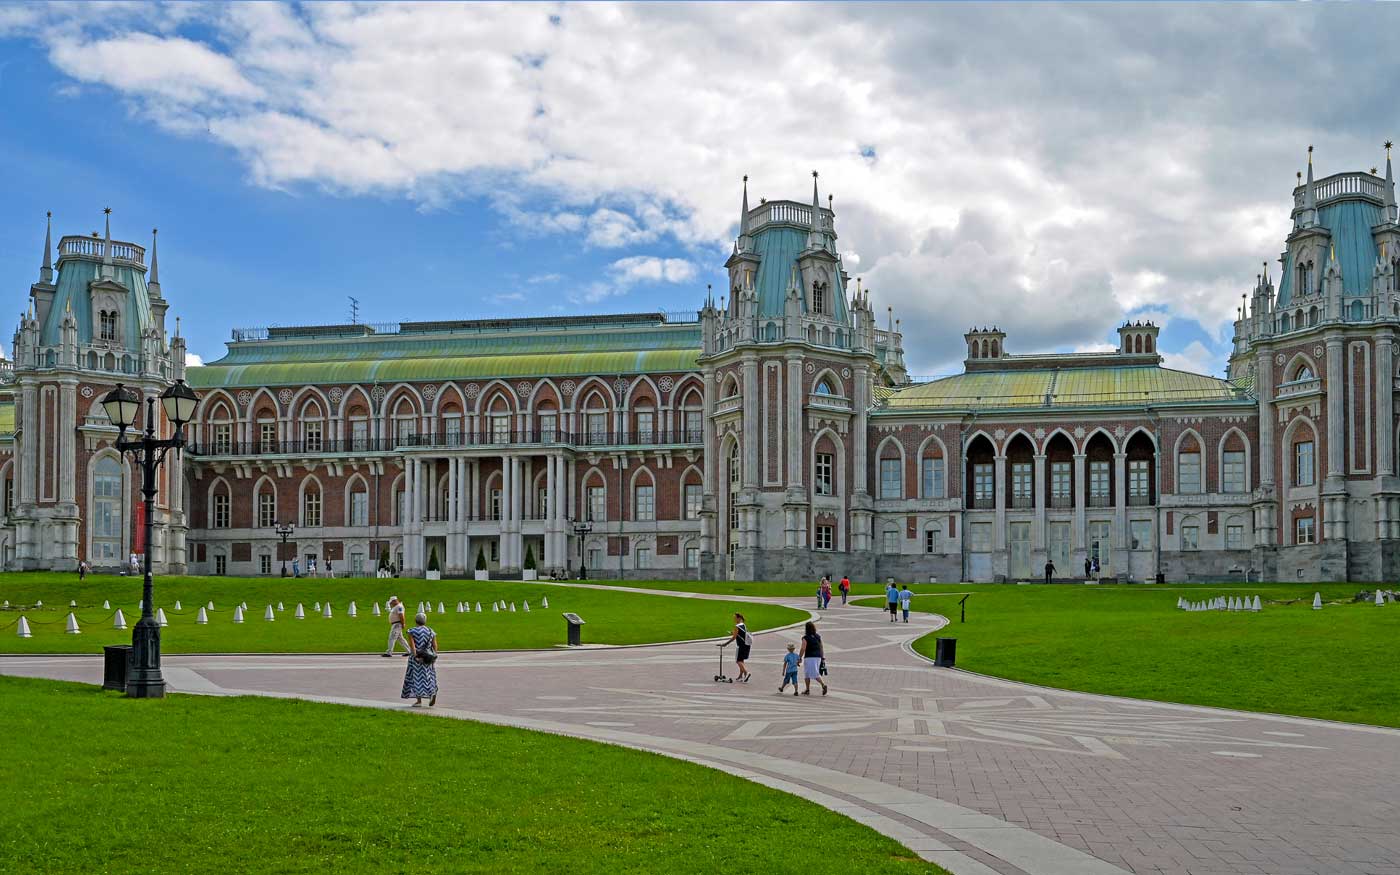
(1221, 603)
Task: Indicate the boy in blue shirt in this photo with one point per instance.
(904, 598)
(790, 669)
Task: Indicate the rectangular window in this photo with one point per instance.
(891, 479)
(1303, 464)
(597, 504)
(313, 437)
(311, 509)
(264, 563)
(267, 437)
(500, 429)
(1022, 474)
(931, 540)
(694, 428)
(359, 434)
(1098, 484)
(223, 439)
(549, 427)
(1232, 476)
(825, 537)
(267, 510)
(403, 431)
(984, 488)
(1304, 533)
(359, 508)
(644, 504)
(890, 541)
(822, 478)
(220, 511)
(1140, 534)
(1234, 537)
(932, 475)
(692, 557)
(452, 431)
(643, 557)
(597, 428)
(980, 537)
(109, 325)
(694, 495)
(495, 504)
(1100, 547)
(1190, 537)
(1061, 484)
(9, 496)
(220, 564)
(495, 551)
(646, 427)
(1137, 481)
(1188, 473)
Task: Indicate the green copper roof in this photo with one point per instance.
(7, 417)
(1350, 222)
(1066, 387)
(778, 247)
(74, 275)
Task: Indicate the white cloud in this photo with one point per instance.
(1045, 167)
(193, 360)
(649, 268)
(1195, 358)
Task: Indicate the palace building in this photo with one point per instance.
(775, 434)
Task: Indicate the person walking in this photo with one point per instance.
(811, 655)
(790, 663)
(743, 642)
(826, 592)
(396, 626)
(905, 597)
(892, 599)
(420, 675)
(296, 568)
(82, 571)
(845, 588)
(1049, 570)
(1088, 568)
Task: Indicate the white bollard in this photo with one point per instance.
(72, 603)
(327, 612)
(440, 610)
(24, 628)
(202, 618)
(527, 607)
(376, 609)
(39, 603)
(300, 612)
(269, 615)
(160, 617)
(1380, 598)
(512, 607)
(1255, 606)
(420, 608)
(545, 603)
(177, 605)
(106, 605)
(119, 621)
(279, 607)
(317, 606)
(211, 604)
(478, 607)
(352, 611)
(238, 614)
(245, 606)
(7, 603)
(1317, 601)
(495, 607)
(72, 627)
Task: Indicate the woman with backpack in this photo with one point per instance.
(743, 641)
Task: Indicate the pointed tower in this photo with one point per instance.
(1388, 191)
(46, 268)
(1308, 217)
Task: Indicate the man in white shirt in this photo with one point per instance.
(396, 627)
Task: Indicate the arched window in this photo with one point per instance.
(1283, 323)
(1312, 316)
(107, 321)
(734, 479)
(311, 505)
(106, 510)
(1303, 373)
(219, 508)
(267, 506)
(358, 510)
(1147, 344)
(824, 388)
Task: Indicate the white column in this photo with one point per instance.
(1081, 501)
(1385, 407)
(1120, 503)
(518, 484)
(1000, 492)
(551, 500)
(507, 471)
(1039, 499)
(1336, 412)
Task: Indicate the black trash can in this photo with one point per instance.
(575, 629)
(945, 652)
(116, 660)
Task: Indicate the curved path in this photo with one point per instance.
(977, 774)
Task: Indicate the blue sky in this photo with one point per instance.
(1052, 169)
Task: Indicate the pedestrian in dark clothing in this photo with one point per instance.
(1049, 570)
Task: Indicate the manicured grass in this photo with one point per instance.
(770, 588)
(609, 617)
(1130, 640)
(92, 782)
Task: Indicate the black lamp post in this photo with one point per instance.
(580, 531)
(143, 679)
(284, 531)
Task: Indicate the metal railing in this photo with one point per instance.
(1059, 502)
(1139, 500)
(1101, 501)
(466, 439)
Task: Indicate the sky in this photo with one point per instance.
(1051, 169)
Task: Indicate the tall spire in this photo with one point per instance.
(46, 269)
(744, 210)
(153, 284)
(1389, 193)
(107, 245)
(1309, 196)
(815, 236)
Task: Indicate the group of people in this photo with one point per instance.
(898, 600)
(824, 591)
(421, 647)
(810, 657)
(328, 571)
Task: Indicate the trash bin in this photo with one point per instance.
(575, 629)
(945, 652)
(116, 659)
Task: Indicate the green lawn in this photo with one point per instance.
(1129, 640)
(92, 782)
(609, 617)
(771, 588)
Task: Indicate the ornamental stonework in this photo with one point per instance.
(619, 387)
(568, 387)
(430, 392)
(377, 393)
(666, 384)
(523, 388)
(336, 394)
(245, 398)
(285, 396)
(473, 390)
(87, 392)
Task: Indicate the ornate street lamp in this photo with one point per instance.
(143, 679)
(581, 531)
(284, 531)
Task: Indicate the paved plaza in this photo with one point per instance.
(977, 774)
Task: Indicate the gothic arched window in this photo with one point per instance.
(107, 322)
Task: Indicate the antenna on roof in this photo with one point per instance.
(354, 310)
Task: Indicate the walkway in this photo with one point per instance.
(976, 774)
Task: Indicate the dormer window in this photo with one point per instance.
(818, 299)
(107, 325)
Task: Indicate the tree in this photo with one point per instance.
(530, 558)
(433, 560)
(481, 559)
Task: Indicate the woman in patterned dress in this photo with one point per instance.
(420, 678)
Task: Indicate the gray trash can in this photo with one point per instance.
(945, 652)
(116, 659)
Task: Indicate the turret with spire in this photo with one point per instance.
(46, 268)
(1308, 218)
(1388, 194)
